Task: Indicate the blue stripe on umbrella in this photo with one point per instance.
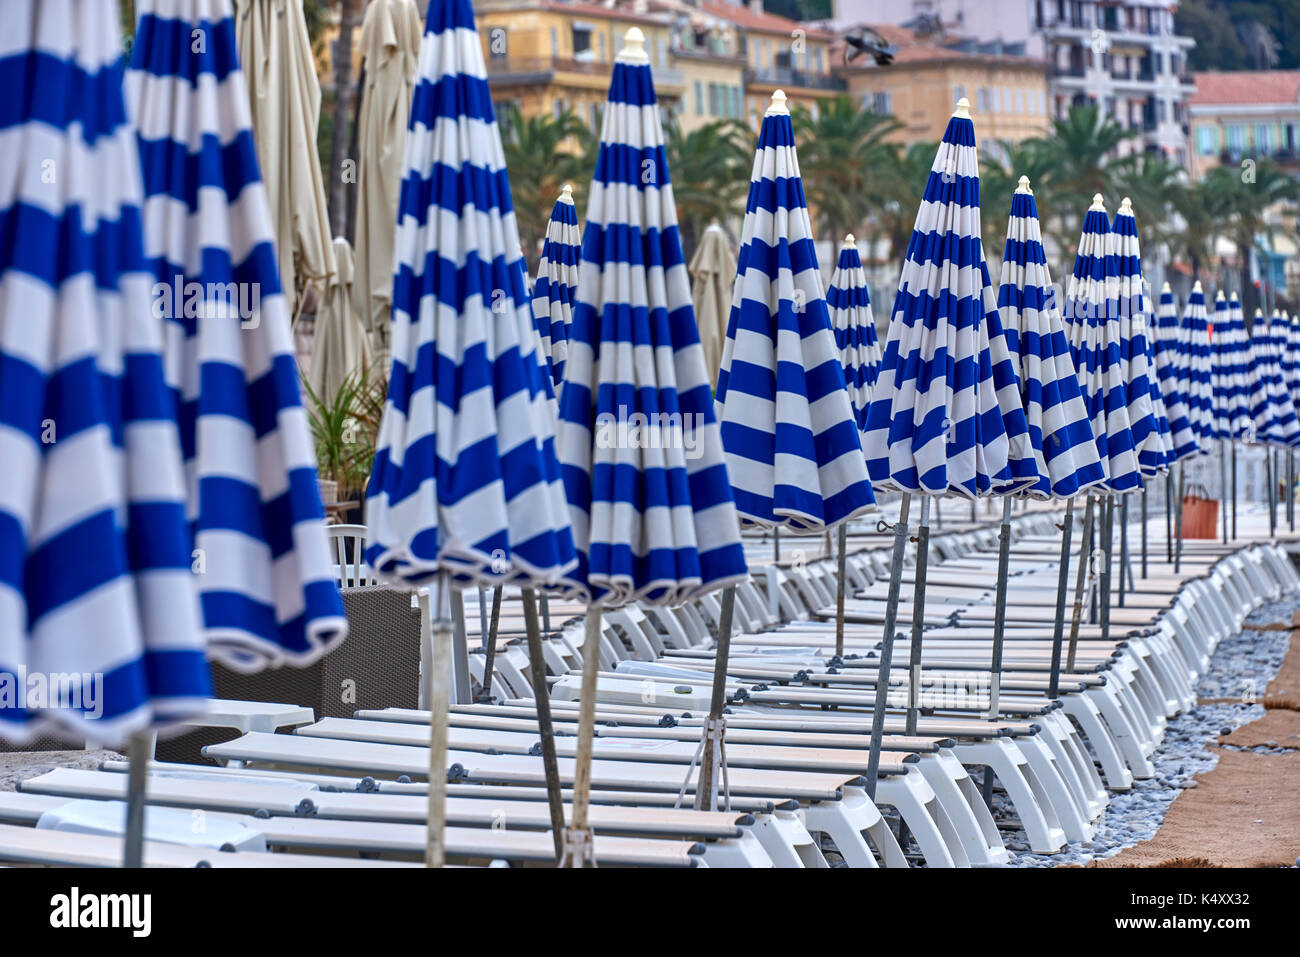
(1145, 406)
(556, 285)
(651, 505)
(95, 550)
(267, 590)
(1200, 391)
(1092, 324)
(1049, 384)
(946, 415)
(792, 444)
(1271, 409)
(1288, 357)
(1172, 366)
(1228, 351)
(848, 301)
(465, 479)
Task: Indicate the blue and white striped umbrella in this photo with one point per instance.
(96, 586)
(556, 285)
(1271, 408)
(465, 479)
(793, 448)
(1291, 362)
(1150, 438)
(1228, 350)
(1049, 384)
(1092, 325)
(946, 415)
(849, 303)
(267, 587)
(1172, 367)
(651, 507)
(1199, 380)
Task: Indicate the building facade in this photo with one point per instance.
(1245, 115)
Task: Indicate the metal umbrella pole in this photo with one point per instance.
(1144, 533)
(1169, 517)
(839, 588)
(576, 850)
(140, 748)
(1062, 584)
(1080, 583)
(713, 743)
(542, 696)
(439, 698)
(1234, 491)
(1223, 481)
(1107, 546)
(887, 644)
(490, 645)
(1290, 487)
(1269, 472)
(1000, 607)
(1123, 549)
(1178, 518)
(918, 616)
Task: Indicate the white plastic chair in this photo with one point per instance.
(352, 572)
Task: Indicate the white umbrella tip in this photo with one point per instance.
(1023, 186)
(1219, 295)
(850, 240)
(634, 47)
(1197, 287)
(566, 193)
(1097, 203)
(778, 104)
(1126, 205)
(1259, 313)
(1165, 287)
(963, 108)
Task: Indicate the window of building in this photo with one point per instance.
(1264, 138)
(737, 105)
(817, 60)
(582, 47)
(713, 99)
(958, 92)
(601, 46)
(555, 42)
(699, 98)
(1020, 101)
(1235, 137)
(882, 102)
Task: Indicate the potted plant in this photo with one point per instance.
(345, 429)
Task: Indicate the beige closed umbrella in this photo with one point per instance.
(342, 346)
(713, 271)
(390, 43)
(284, 93)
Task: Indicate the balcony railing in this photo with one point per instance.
(786, 76)
(525, 68)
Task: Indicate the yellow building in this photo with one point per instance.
(1008, 94)
(1245, 116)
(708, 50)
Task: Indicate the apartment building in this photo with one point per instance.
(1246, 115)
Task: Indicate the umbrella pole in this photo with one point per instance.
(1123, 548)
(546, 616)
(435, 852)
(712, 742)
(1144, 533)
(843, 535)
(1178, 520)
(1223, 481)
(490, 646)
(918, 615)
(1000, 607)
(1080, 583)
(577, 850)
(1272, 509)
(545, 728)
(1234, 491)
(459, 650)
(1107, 543)
(776, 546)
(1290, 487)
(1169, 517)
(1062, 584)
(140, 749)
(887, 645)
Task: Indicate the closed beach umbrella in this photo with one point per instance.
(713, 273)
(849, 302)
(466, 487)
(95, 551)
(284, 94)
(1231, 412)
(1172, 361)
(1200, 385)
(390, 44)
(1271, 408)
(651, 507)
(1291, 367)
(342, 346)
(557, 284)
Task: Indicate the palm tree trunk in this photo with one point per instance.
(340, 135)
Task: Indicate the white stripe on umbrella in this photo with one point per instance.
(95, 550)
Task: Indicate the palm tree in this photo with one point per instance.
(901, 185)
(842, 153)
(1001, 165)
(1248, 195)
(1202, 215)
(1154, 184)
(542, 152)
(709, 169)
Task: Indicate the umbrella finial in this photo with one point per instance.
(1196, 286)
(1165, 287)
(1259, 313)
(566, 193)
(1219, 295)
(1023, 186)
(963, 108)
(1126, 205)
(633, 47)
(850, 240)
(1097, 203)
(778, 104)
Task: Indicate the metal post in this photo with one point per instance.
(1269, 472)
(776, 546)
(1223, 481)
(839, 588)
(578, 834)
(490, 647)
(546, 616)
(887, 645)
(1107, 546)
(708, 769)
(1234, 491)
(1169, 518)
(542, 696)
(459, 650)
(1000, 607)
(1182, 488)
(918, 615)
(1144, 533)
(140, 747)
(1062, 582)
(1290, 487)
(435, 851)
(1080, 582)
(1123, 548)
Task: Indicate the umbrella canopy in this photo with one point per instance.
(713, 269)
(1092, 324)
(1229, 354)
(95, 552)
(849, 302)
(651, 506)
(1049, 386)
(284, 94)
(1271, 408)
(1286, 342)
(557, 284)
(1172, 368)
(946, 413)
(267, 588)
(390, 43)
(1200, 385)
(465, 479)
(342, 346)
(1145, 408)
(793, 448)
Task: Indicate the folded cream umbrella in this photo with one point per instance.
(285, 97)
(342, 346)
(713, 271)
(390, 43)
